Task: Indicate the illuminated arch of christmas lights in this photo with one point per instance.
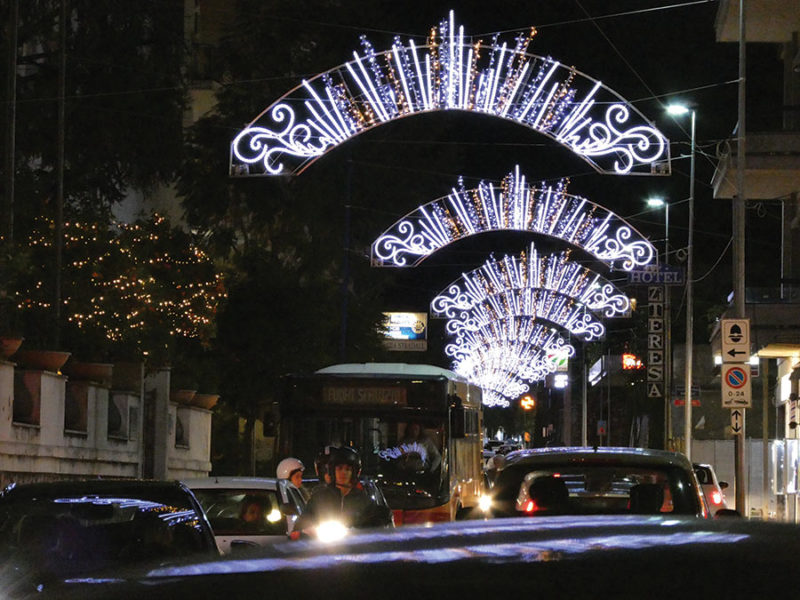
(518, 310)
(482, 363)
(530, 358)
(531, 271)
(451, 72)
(514, 205)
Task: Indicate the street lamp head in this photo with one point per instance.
(655, 202)
(678, 109)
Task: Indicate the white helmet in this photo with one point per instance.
(288, 466)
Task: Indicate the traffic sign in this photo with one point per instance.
(735, 340)
(736, 386)
(737, 421)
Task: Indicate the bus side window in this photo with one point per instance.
(457, 418)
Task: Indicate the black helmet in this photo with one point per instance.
(345, 456)
(322, 460)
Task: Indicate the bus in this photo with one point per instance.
(416, 427)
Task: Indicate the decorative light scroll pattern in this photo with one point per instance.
(451, 72)
(529, 272)
(513, 205)
(486, 365)
(502, 356)
(517, 310)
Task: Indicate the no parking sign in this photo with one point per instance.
(736, 386)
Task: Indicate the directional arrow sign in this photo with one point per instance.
(737, 421)
(735, 335)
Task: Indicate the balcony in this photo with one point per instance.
(774, 315)
(772, 168)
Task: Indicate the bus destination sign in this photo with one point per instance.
(364, 396)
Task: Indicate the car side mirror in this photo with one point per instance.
(726, 513)
(723, 485)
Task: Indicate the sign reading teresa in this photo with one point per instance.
(657, 275)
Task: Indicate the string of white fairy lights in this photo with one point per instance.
(513, 205)
(450, 72)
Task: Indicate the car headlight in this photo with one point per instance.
(331, 531)
(485, 503)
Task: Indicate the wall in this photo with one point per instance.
(77, 429)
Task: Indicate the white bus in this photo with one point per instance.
(417, 429)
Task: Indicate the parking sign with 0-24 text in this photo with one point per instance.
(736, 386)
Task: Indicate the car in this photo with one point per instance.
(67, 529)
(595, 481)
(562, 557)
(224, 500)
(711, 486)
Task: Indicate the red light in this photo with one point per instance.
(716, 497)
(530, 506)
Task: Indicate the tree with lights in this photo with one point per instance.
(135, 291)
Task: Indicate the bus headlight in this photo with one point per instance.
(485, 503)
(331, 531)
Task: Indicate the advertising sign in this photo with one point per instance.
(406, 331)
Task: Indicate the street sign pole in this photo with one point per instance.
(736, 390)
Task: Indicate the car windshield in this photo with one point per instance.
(587, 488)
(242, 511)
(404, 455)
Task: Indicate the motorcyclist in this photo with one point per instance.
(292, 470)
(343, 499)
(321, 465)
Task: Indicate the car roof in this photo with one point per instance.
(224, 482)
(623, 455)
(388, 369)
(51, 489)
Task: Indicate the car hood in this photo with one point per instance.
(567, 557)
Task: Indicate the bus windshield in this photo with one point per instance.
(404, 455)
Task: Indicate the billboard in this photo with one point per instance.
(406, 331)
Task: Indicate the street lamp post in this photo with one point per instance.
(677, 109)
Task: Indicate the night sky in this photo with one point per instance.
(647, 51)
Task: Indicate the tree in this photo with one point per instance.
(136, 291)
(124, 99)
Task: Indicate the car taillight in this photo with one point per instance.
(716, 497)
(530, 506)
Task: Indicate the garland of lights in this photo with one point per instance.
(130, 281)
(451, 72)
(520, 308)
(546, 210)
(525, 361)
(528, 272)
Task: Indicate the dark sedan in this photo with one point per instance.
(67, 529)
(595, 481)
(597, 557)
